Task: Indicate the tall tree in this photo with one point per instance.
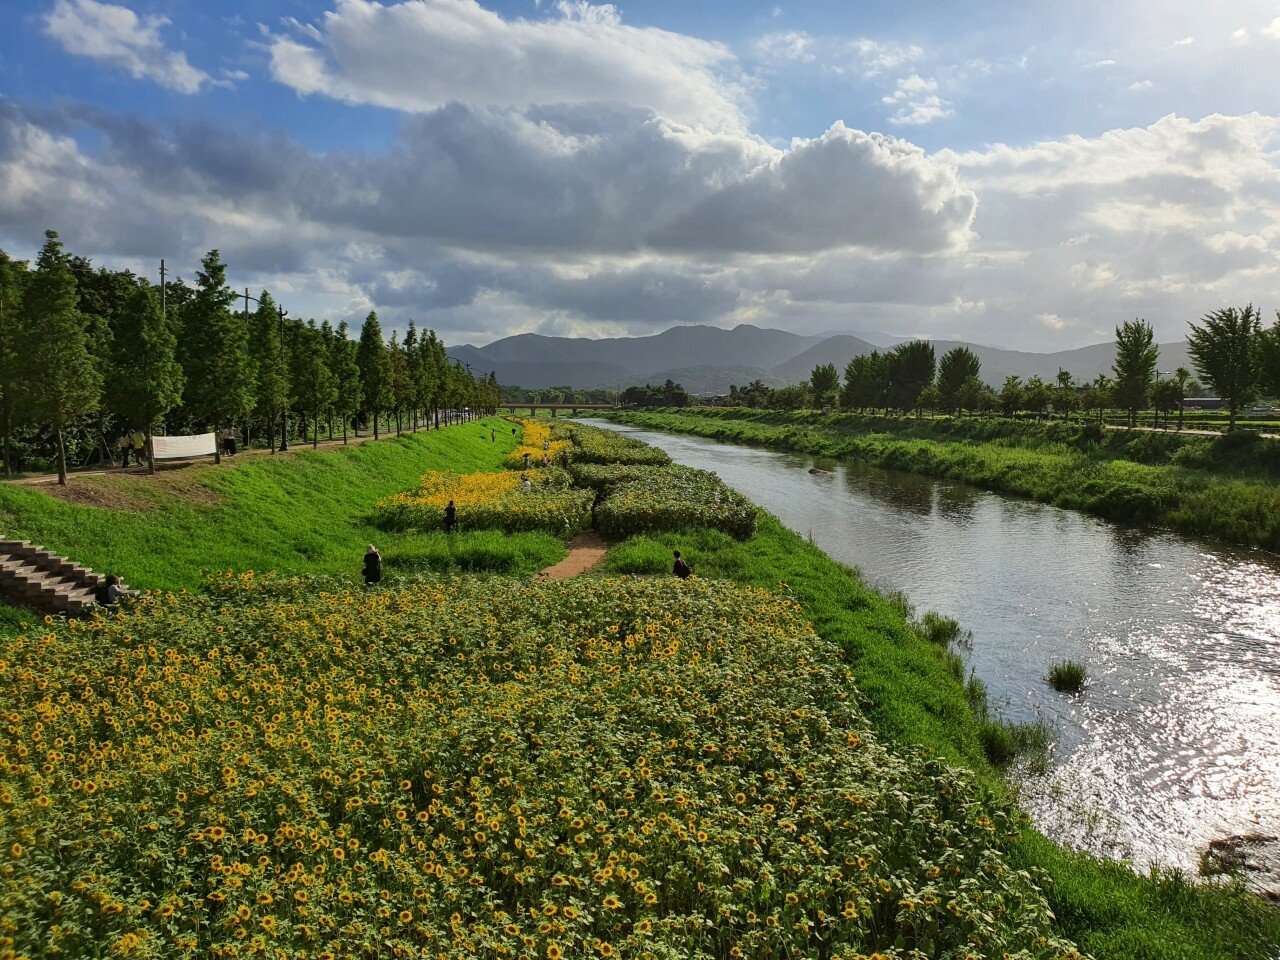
(911, 368)
(271, 391)
(346, 376)
(1182, 377)
(1269, 359)
(147, 376)
(375, 370)
(13, 333)
(1135, 366)
(399, 377)
(1225, 352)
(1037, 395)
(958, 365)
(217, 363)
(824, 383)
(413, 361)
(864, 382)
(1011, 396)
(313, 383)
(57, 349)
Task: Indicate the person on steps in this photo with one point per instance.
(113, 591)
(680, 568)
(450, 517)
(372, 566)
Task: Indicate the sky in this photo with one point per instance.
(1018, 174)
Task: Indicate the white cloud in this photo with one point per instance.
(1141, 85)
(1050, 321)
(1240, 36)
(418, 55)
(1272, 29)
(1105, 63)
(917, 101)
(788, 45)
(117, 36)
(1184, 42)
(874, 58)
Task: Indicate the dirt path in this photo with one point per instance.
(586, 550)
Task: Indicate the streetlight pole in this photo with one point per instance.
(284, 418)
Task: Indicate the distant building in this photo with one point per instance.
(1201, 403)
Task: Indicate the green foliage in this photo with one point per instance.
(603, 476)
(1225, 351)
(479, 551)
(592, 445)
(313, 383)
(824, 384)
(909, 369)
(58, 362)
(266, 337)
(675, 500)
(958, 366)
(146, 376)
(375, 369)
(215, 346)
(1135, 365)
(864, 382)
(1067, 676)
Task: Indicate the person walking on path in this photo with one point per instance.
(450, 517)
(140, 451)
(680, 568)
(372, 566)
(126, 444)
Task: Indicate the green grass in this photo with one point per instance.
(1067, 676)
(308, 512)
(483, 551)
(1224, 487)
(911, 691)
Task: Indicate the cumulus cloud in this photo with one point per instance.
(1272, 29)
(117, 36)
(917, 102)
(418, 55)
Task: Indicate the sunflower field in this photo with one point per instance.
(674, 499)
(480, 768)
(533, 435)
(494, 500)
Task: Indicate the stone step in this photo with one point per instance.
(43, 580)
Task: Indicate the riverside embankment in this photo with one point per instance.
(1222, 487)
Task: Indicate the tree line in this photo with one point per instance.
(1234, 355)
(86, 354)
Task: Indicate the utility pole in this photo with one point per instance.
(164, 293)
(284, 417)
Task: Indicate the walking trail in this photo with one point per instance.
(586, 550)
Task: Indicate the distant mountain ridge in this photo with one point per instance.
(708, 360)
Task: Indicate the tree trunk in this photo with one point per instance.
(1231, 424)
(1181, 412)
(315, 427)
(151, 451)
(217, 445)
(375, 424)
(8, 452)
(62, 456)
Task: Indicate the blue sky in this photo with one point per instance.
(1026, 174)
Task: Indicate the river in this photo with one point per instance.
(1175, 740)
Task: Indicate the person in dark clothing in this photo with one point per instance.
(513, 431)
(493, 436)
(372, 566)
(680, 568)
(113, 591)
(126, 446)
(450, 517)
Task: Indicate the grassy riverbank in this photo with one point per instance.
(311, 514)
(914, 696)
(1227, 488)
(305, 512)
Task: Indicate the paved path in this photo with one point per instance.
(1188, 430)
(586, 550)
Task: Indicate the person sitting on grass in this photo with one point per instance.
(525, 483)
(372, 566)
(113, 591)
(680, 568)
(450, 517)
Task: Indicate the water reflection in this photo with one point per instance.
(1176, 739)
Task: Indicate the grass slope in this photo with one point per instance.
(1227, 487)
(913, 696)
(307, 512)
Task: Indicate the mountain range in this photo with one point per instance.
(706, 360)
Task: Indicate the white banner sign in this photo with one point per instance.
(176, 448)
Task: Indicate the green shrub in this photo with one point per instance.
(602, 476)
(1067, 676)
(593, 445)
(674, 501)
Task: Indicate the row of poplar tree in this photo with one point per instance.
(88, 354)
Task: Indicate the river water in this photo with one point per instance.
(1175, 740)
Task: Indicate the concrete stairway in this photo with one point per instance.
(31, 576)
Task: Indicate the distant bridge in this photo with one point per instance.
(555, 408)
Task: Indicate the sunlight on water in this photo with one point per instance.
(1174, 742)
